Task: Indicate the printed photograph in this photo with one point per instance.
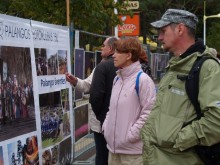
(23, 151)
(89, 63)
(1, 156)
(55, 155)
(51, 156)
(79, 70)
(81, 121)
(55, 123)
(65, 99)
(158, 64)
(47, 157)
(98, 57)
(17, 110)
(52, 59)
(41, 61)
(65, 152)
(62, 61)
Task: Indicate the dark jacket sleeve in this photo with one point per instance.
(97, 91)
(101, 88)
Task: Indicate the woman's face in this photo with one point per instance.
(121, 60)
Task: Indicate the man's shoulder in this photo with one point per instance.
(209, 60)
(208, 53)
(106, 63)
(204, 60)
(205, 65)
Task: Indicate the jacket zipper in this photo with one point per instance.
(116, 114)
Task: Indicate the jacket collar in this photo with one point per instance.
(129, 70)
(109, 56)
(197, 47)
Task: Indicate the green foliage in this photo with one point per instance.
(40, 10)
(213, 34)
(4, 4)
(88, 15)
(152, 10)
(98, 16)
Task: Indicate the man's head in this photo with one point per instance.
(176, 30)
(108, 47)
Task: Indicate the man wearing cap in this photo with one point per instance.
(168, 140)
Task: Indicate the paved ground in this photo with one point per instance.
(87, 158)
(85, 147)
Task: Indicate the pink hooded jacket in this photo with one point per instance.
(128, 111)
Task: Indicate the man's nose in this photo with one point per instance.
(160, 37)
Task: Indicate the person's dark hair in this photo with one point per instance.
(129, 45)
(111, 42)
(144, 63)
(143, 56)
(191, 31)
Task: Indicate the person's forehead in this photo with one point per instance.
(106, 40)
(163, 28)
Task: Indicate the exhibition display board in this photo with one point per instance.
(36, 118)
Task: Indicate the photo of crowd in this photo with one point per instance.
(62, 60)
(41, 61)
(52, 62)
(55, 122)
(16, 91)
(47, 61)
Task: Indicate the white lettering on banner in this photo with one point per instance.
(132, 5)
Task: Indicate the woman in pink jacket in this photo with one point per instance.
(129, 107)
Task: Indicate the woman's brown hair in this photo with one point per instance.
(129, 45)
(143, 56)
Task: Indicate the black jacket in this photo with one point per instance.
(101, 88)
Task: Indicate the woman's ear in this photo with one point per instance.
(129, 55)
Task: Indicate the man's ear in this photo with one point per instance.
(112, 51)
(111, 48)
(181, 28)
